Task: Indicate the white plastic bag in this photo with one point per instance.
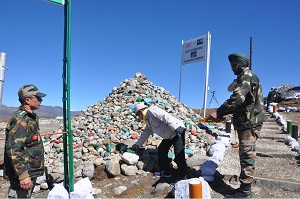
(58, 192)
(182, 189)
(82, 189)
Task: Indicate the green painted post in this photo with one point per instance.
(70, 132)
(289, 126)
(68, 139)
(67, 126)
(295, 132)
(65, 86)
(228, 126)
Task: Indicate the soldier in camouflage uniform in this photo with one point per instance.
(246, 105)
(24, 150)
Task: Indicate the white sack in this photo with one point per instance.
(182, 189)
(82, 189)
(58, 192)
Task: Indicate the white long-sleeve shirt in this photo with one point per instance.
(161, 123)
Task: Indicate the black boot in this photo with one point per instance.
(243, 192)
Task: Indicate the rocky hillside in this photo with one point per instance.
(283, 93)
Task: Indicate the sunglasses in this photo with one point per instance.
(38, 98)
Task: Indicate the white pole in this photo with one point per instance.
(180, 68)
(207, 72)
(2, 72)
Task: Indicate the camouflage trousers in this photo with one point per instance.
(247, 154)
(15, 191)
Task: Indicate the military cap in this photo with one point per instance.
(240, 59)
(29, 90)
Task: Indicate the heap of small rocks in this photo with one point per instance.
(105, 131)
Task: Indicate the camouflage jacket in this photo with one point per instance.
(24, 150)
(245, 103)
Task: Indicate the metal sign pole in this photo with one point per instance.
(207, 72)
(250, 53)
(67, 126)
(70, 132)
(2, 73)
(68, 139)
(180, 69)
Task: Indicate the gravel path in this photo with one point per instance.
(277, 172)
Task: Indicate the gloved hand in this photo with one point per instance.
(135, 147)
(180, 130)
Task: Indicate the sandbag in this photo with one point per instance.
(182, 189)
(58, 192)
(82, 189)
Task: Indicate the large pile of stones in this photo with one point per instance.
(105, 131)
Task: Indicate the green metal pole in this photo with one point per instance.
(228, 127)
(65, 136)
(67, 139)
(70, 133)
(295, 132)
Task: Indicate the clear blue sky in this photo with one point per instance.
(114, 39)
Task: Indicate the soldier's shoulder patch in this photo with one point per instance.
(34, 137)
(21, 113)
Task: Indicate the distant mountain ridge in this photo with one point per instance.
(42, 112)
